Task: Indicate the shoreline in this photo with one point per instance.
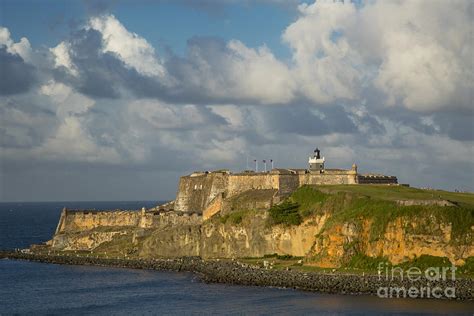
(234, 272)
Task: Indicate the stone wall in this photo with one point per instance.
(196, 192)
(288, 183)
(376, 179)
(329, 177)
(239, 183)
(86, 220)
(74, 221)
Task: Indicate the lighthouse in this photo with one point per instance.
(316, 163)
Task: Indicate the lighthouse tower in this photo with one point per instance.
(316, 163)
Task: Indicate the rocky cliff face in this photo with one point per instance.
(401, 241)
(336, 228)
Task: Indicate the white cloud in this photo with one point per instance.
(132, 49)
(425, 49)
(72, 143)
(21, 48)
(161, 115)
(62, 57)
(257, 74)
(235, 71)
(418, 53)
(325, 64)
(66, 100)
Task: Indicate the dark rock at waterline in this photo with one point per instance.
(233, 272)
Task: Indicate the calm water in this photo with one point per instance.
(36, 288)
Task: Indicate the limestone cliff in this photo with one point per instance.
(326, 225)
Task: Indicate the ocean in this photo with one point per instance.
(46, 289)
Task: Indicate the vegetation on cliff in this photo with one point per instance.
(377, 204)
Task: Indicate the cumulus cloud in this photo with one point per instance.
(132, 49)
(21, 48)
(215, 71)
(325, 63)
(425, 48)
(405, 51)
(17, 73)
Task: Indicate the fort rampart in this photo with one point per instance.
(81, 220)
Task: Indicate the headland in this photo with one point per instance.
(328, 230)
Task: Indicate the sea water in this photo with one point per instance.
(49, 289)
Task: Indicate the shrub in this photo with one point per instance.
(426, 261)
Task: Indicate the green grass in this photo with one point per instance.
(363, 262)
(468, 267)
(354, 204)
(392, 193)
(285, 213)
(302, 203)
(309, 200)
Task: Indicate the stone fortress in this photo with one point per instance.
(203, 194)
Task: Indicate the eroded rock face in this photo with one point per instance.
(172, 241)
(403, 239)
(212, 239)
(251, 238)
(87, 240)
(323, 244)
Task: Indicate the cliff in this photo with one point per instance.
(327, 226)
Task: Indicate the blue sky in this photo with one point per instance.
(165, 24)
(115, 100)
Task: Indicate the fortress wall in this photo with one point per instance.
(85, 220)
(328, 178)
(160, 220)
(239, 183)
(376, 179)
(288, 183)
(196, 192)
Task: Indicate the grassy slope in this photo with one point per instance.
(392, 193)
(353, 203)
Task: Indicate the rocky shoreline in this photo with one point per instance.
(234, 272)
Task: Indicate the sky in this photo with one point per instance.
(115, 100)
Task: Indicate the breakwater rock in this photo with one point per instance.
(234, 272)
